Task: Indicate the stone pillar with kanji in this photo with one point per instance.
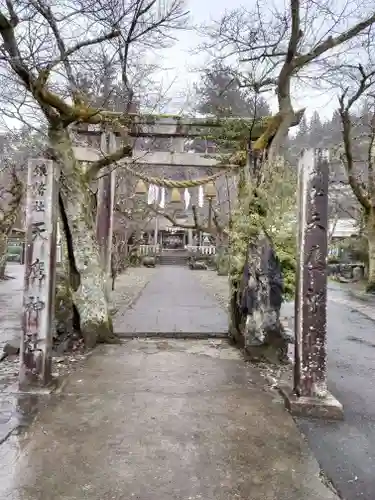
(40, 275)
(308, 395)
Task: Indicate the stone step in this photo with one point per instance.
(174, 335)
(173, 260)
(173, 257)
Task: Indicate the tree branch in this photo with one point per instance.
(347, 158)
(95, 167)
(332, 42)
(80, 45)
(12, 13)
(124, 51)
(12, 206)
(196, 226)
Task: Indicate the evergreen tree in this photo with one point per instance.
(219, 94)
(301, 140)
(315, 132)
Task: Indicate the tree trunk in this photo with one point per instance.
(118, 256)
(222, 261)
(87, 278)
(9, 212)
(371, 252)
(3, 254)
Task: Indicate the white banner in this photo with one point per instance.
(200, 197)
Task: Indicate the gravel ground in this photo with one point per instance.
(218, 286)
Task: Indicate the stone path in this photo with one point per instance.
(174, 302)
(162, 420)
(167, 419)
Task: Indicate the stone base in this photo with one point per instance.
(327, 407)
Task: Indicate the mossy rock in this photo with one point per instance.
(274, 350)
(197, 265)
(195, 256)
(63, 305)
(211, 261)
(222, 265)
(149, 261)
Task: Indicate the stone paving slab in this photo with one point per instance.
(162, 420)
(174, 301)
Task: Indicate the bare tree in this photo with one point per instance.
(14, 151)
(11, 195)
(45, 45)
(273, 50)
(355, 145)
(131, 217)
(342, 205)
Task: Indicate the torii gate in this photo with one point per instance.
(313, 188)
(167, 127)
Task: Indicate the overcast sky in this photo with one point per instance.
(182, 65)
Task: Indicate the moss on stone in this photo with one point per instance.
(222, 264)
(63, 304)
